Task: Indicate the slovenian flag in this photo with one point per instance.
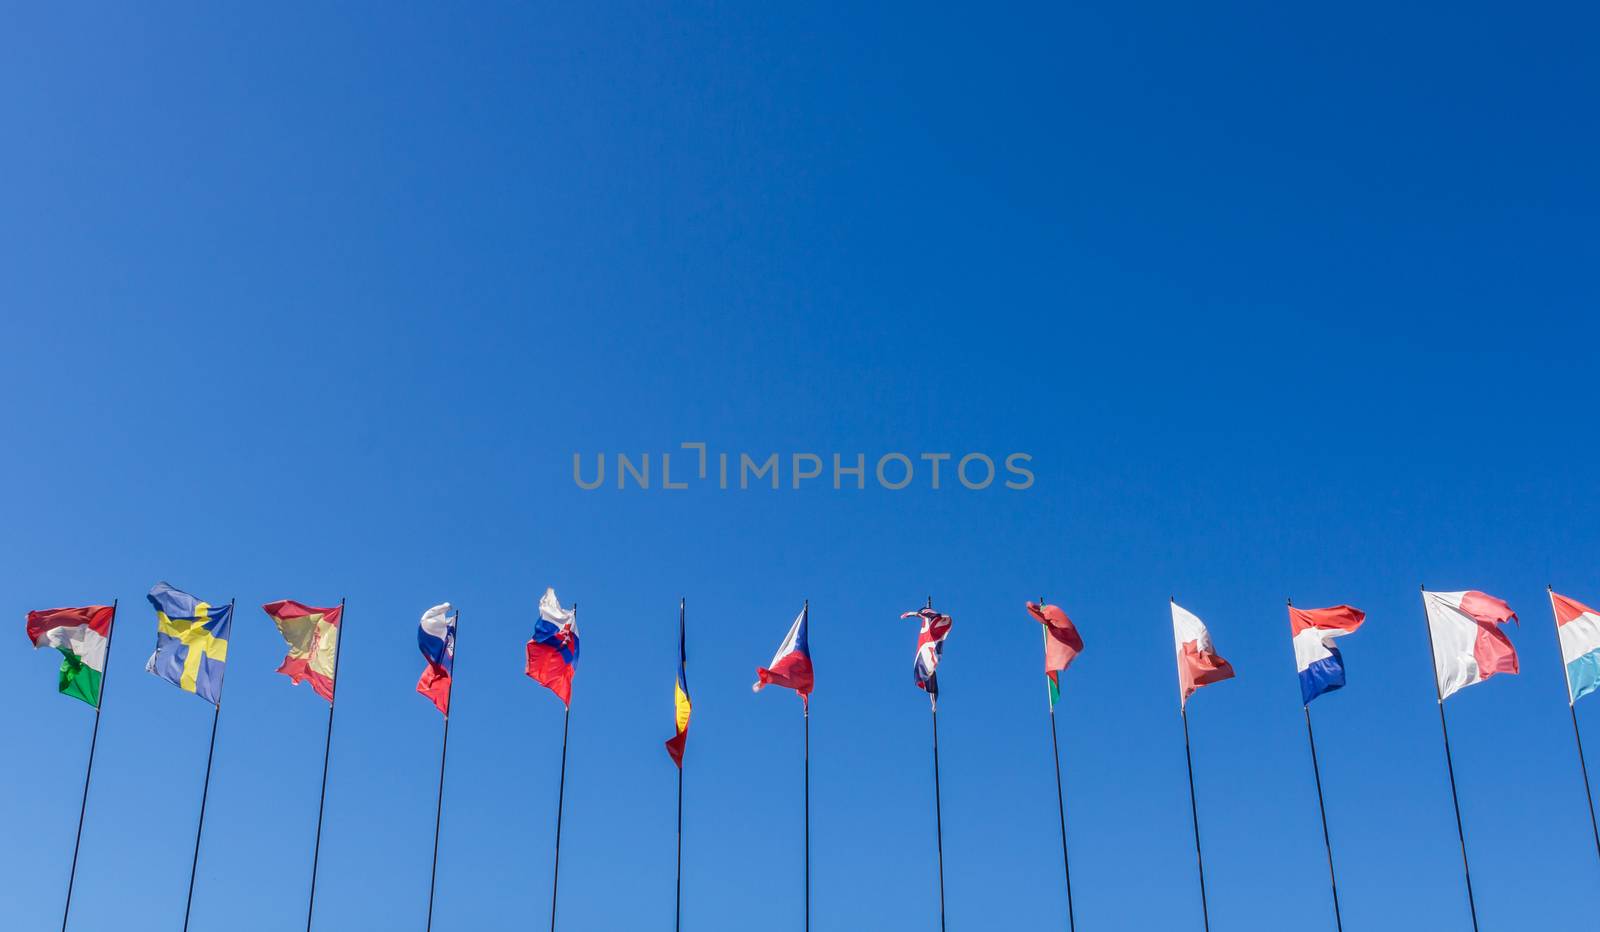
(553, 650)
(1062, 644)
(930, 647)
(791, 665)
(1198, 662)
(1468, 645)
(1578, 627)
(436, 636)
(82, 635)
(1320, 664)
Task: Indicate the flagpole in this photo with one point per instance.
(938, 806)
(444, 750)
(1577, 736)
(205, 793)
(327, 747)
(1316, 771)
(1450, 767)
(1061, 799)
(561, 797)
(94, 738)
(805, 712)
(677, 913)
(1194, 812)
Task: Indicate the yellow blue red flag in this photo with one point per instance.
(680, 698)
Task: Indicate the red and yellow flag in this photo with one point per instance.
(313, 638)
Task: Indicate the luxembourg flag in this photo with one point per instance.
(1578, 626)
(553, 650)
(791, 665)
(1320, 664)
(1198, 662)
(1468, 645)
(436, 636)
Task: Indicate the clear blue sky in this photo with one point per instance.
(316, 303)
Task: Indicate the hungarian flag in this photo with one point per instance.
(1062, 644)
(1468, 645)
(553, 649)
(930, 647)
(436, 636)
(313, 638)
(680, 699)
(791, 665)
(83, 636)
(1198, 662)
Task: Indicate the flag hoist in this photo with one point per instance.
(553, 662)
(930, 647)
(1198, 665)
(1062, 645)
(436, 638)
(1578, 629)
(791, 669)
(676, 745)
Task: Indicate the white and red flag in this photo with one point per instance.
(1198, 663)
(1468, 645)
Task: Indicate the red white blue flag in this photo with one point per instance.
(553, 651)
(791, 665)
(1320, 664)
(930, 646)
(436, 636)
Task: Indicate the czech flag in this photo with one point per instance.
(791, 665)
(1320, 664)
(1578, 627)
(553, 651)
(1198, 662)
(1468, 645)
(680, 698)
(436, 636)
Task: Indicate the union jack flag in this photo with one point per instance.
(930, 644)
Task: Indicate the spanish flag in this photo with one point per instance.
(680, 698)
(313, 638)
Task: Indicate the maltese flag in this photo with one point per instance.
(1468, 645)
(1198, 663)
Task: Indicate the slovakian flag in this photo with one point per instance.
(553, 650)
(680, 699)
(1468, 645)
(1198, 663)
(1062, 644)
(83, 636)
(930, 647)
(791, 665)
(1320, 664)
(313, 638)
(1578, 627)
(436, 636)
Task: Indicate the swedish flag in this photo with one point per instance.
(191, 641)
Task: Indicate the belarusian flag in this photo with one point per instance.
(82, 635)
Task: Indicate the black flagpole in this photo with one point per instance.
(1327, 843)
(444, 750)
(938, 806)
(1061, 798)
(1450, 766)
(1577, 736)
(327, 746)
(805, 711)
(205, 793)
(561, 799)
(677, 914)
(1194, 812)
(94, 738)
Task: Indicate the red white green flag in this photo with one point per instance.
(82, 635)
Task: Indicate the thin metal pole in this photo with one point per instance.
(444, 750)
(1450, 767)
(938, 807)
(1316, 770)
(1194, 811)
(1061, 798)
(1577, 735)
(94, 738)
(561, 797)
(205, 794)
(805, 712)
(327, 747)
(677, 912)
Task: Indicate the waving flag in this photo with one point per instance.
(791, 665)
(1062, 644)
(1320, 664)
(1578, 627)
(1198, 662)
(436, 636)
(313, 638)
(553, 651)
(680, 699)
(191, 641)
(1468, 645)
(930, 646)
(82, 635)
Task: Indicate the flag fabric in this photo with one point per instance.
(191, 641)
(1320, 664)
(82, 635)
(680, 700)
(436, 636)
(1468, 645)
(791, 665)
(553, 650)
(313, 638)
(1062, 644)
(1578, 627)
(930, 647)
(1198, 662)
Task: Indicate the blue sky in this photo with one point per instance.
(319, 302)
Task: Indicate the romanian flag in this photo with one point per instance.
(680, 698)
(313, 638)
(191, 642)
(83, 636)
